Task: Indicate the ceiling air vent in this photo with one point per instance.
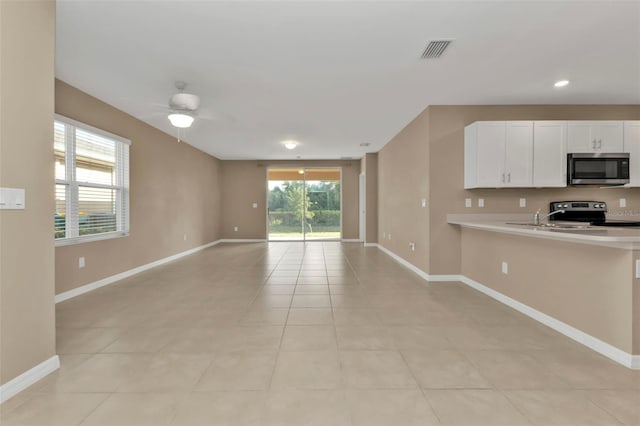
(435, 49)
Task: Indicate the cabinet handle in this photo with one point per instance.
(600, 144)
(508, 177)
(593, 144)
(503, 178)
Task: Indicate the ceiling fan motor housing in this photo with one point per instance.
(184, 102)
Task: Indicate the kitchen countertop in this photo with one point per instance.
(624, 238)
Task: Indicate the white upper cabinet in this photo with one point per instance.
(518, 161)
(595, 136)
(498, 154)
(550, 153)
(632, 146)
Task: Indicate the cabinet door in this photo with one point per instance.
(609, 137)
(595, 136)
(581, 137)
(550, 153)
(490, 155)
(632, 146)
(518, 153)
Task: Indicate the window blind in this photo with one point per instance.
(92, 183)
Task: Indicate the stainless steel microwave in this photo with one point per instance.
(598, 169)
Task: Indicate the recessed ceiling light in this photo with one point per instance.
(290, 144)
(561, 83)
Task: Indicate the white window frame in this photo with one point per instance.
(122, 185)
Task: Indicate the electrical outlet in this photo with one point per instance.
(412, 246)
(623, 202)
(480, 202)
(423, 203)
(184, 237)
(468, 202)
(254, 205)
(235, 229)
(505, 268)
(523, 202)
(81, 262)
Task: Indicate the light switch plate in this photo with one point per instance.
(423, 202)
(12, 198)
(638, 268)
(468, 202)
(623, 202)
(523, 202)
(505, 268)
(480, 202)
(254, 205)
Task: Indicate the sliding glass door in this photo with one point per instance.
(304, 204)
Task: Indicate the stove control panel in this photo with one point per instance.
(579, 206)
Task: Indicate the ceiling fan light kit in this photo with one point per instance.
(183, 107)
(181, 120)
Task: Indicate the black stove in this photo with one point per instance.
(585, 211)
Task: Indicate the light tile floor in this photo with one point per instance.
(313, 334)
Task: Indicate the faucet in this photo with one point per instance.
(537, 217)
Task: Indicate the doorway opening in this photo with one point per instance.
(304, 204)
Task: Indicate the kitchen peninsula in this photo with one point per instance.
(579, 281)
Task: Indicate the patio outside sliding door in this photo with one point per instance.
(304, 204)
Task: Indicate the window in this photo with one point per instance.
(92, 183)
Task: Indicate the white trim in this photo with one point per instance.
(603, 348)
(84, 126)
(405, 263)
(371, 245)
(122, 275)
(351, 240)
(242, 240)
(29, 377)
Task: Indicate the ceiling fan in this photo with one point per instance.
(183, 107)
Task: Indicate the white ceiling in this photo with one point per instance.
(333, 75)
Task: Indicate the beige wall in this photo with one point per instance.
(371, 200)
(27, 320)
(175, 190)
(427, 156)
(245, 182)
(578, 290)
(403, 180)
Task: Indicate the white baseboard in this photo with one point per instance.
(371, 245)
(414, 268)
(29, 377)
(122, 275)
(603, 348)
(242, 240)
(351, 240)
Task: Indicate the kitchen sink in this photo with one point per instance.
(556, 226)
